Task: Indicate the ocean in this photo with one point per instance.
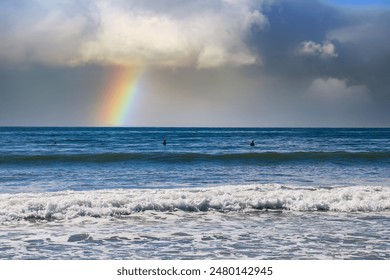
(119, 193)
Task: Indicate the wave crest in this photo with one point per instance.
(121, 203)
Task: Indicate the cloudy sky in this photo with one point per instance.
(203, 63)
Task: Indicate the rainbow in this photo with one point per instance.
(119, 95)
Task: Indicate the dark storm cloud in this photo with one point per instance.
(290, 24)
(364, 47)
(360, 39)
(346, 49)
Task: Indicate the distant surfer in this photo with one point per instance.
(164, 142)
(252, 143)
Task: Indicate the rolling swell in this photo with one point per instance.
(169, 157)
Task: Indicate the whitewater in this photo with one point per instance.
(121, 203)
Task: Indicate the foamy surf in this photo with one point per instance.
(125, 202)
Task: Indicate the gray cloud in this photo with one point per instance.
(129, 32)
(219, 62)
(51, 96)
(46, 32)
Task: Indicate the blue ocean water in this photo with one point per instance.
(93, 193)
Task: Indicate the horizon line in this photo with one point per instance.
(151, 126)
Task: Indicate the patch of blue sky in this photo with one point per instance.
(360, 3)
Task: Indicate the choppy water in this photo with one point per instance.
(118, 193)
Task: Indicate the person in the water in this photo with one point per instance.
(164, 142)
(252, 143)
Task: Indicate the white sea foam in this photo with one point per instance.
(123, 202)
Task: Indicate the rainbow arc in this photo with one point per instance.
(119, 96)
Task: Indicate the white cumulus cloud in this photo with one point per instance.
(326, 49)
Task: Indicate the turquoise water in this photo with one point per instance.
(93, 193)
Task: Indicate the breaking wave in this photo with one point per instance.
(121, 203)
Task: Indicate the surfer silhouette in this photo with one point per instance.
(252, 143)
(164, 142)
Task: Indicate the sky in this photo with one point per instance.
(216, 63)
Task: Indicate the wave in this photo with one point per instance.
(121, 203)
(170, 157)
